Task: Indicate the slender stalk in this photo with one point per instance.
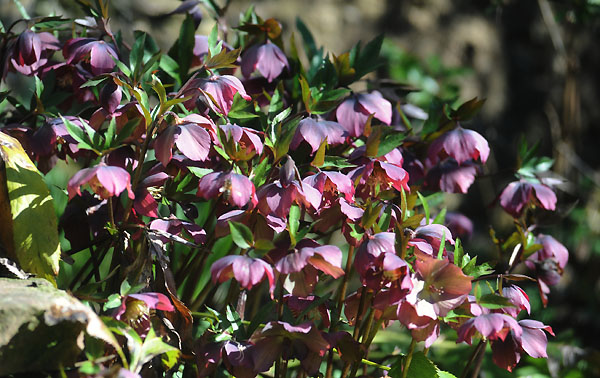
(472, 358)
(408, 358)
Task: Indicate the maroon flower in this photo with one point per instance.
(174, 226)
(241, 143)
(428, 238)
(106, 181)
(110, 96)
(450, 177)
(519, 194)
(329, 184)
(314, 132)
(303, 342)
(491, 326)
(246, 270)
(99, 54)
(459, 225)
(218, 91)
(30, 52)
(145, 203)
(517, 297)
(354, 112)
(267, 58)
(533, 341)
(135, 309)
(326, 258)
(236, 188)
(378, 175)
(460, 144)
(548, 264)
(190, 137)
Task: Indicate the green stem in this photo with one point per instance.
(476, 351)
(408, 358)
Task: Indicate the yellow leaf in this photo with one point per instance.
(30, 232)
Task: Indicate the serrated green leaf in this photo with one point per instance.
(29, 229)
(241, 235)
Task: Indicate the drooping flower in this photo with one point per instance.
(492, 326)
(548, 263)
(378, 175)
(135, 309)
(106, 181)
(533, 341)
(110, 96)
(267, 58)
(428, 238)
(461, 144)
(189, 136)
(314, 132)
(174, 226)
(326, 258)
(246, 270)
(519, 194)
(354, 112)
(99, 54)
(303, 342)
(235, 188)
(241, 143)
(459, 224)
(217, 92)
(145, 203)
(450, 177)
(518, 297)
(31, 51)
(329, 184)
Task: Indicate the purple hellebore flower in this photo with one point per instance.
(354, 112)
(98, 53)
(326, 258)
(30, 51)
(267, 58)
(314, 132)
(175, 227)
(329, 183)
(459, 224)
(236, 188)
(189, 135)
(492, 326)
(548, 264)
(533, 341)
(517, 297)
(378, 174)
(238, 359)
(241, 143)
(110, 96)
(424, 327)
(551, 249)
(145, 203)
(517, 195)
(428, 238)
(246, 270)
(450, 177)
(298, 305)
(106, 181)
(442, 286)
(461, 144)
(134, 309)
(303, 342)
(218, 91)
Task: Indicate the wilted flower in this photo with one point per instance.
(106, 181)
(267, 58)
(246, 270)
(519, 194)
(190, 137)
(354, 112)
(135, 309)
(235, 188)
(460, 144)
(99, 54)
(314, 132)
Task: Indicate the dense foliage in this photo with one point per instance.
(263, 221)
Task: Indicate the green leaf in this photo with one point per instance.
(171, 67)
(225, 59)
(392, 140)
(110, 132)
(494, 301)
(214, 48)
(29, 229)
(445, 374)
(367, 59)
(259, 173)
(136, 57)
(294, 222)
(337, 162)
(420, 367)
(241, 235)
(153, 346)
(78, 134)
(309, 42)
(425, 206)
(185, 45)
